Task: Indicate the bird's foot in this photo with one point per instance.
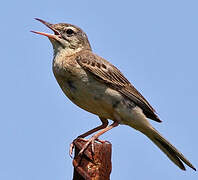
(88, 142)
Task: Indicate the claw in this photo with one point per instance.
(102, 142)
(72, 145)
(89, 141)
(71, 148)
(92, 147)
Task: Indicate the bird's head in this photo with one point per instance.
(66, 37)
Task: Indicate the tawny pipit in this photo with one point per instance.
(97, 86)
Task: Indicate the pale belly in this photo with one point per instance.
(91, 95)
(97, 98)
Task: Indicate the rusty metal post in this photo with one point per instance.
(91, 166)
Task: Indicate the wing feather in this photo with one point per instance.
(109, 74)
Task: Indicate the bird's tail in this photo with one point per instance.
(173, 154)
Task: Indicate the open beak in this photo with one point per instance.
(53, 36)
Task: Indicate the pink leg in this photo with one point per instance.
(104, 125)
(95, 136)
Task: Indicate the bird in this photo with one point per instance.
(97, 86)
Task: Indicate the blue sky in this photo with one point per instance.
(154, 43)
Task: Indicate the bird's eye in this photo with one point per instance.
(69, 31)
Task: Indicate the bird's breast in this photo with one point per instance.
(85, 91)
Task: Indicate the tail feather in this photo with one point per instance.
(173, 154)
(169, 152)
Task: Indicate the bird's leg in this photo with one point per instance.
(102, 126)
(95, 136)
